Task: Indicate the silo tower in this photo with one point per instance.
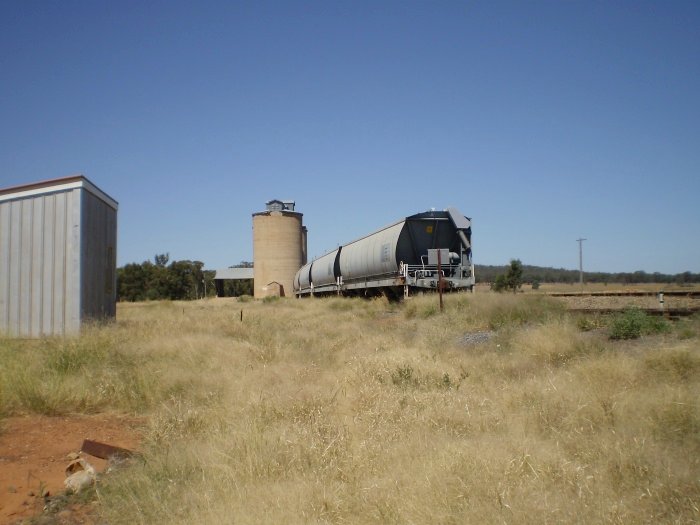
(279, 248)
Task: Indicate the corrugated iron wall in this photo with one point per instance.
(98, 258)
(39, 264)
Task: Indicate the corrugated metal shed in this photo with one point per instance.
(58, 243)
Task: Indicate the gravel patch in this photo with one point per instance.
(475, 338)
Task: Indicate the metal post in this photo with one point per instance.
(440, 277)
(580, 260)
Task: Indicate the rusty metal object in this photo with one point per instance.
(105, 451)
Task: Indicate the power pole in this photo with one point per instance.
(580, 259)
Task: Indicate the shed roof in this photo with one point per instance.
(234, 273)
(54, 185)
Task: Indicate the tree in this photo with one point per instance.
(185, 280)
(209, 285)
(162, 259)
(512, 280)
(499, 283)
(132, 282)
(514, 275)
(157, 283)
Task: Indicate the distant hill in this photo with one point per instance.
(488, 273)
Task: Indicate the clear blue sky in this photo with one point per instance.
(543, 121)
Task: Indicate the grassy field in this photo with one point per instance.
(502, 409)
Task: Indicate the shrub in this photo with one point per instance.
(500, 284)
(403, 376)
(633, 323)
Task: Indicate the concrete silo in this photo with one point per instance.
(279, 248)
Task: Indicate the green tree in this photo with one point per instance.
(209, 286)
(512, 280)
(157, 280)
(514, 275)
(499, 283)
(162, 259)
(185, 280)
(132, 282)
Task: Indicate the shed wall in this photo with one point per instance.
(98, 258)
(40, 264)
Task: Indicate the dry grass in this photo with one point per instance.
(345, 410)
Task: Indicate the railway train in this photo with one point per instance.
(417, 253)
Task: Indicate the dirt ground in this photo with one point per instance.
(34, 454)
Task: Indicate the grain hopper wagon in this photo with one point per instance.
(407, 256)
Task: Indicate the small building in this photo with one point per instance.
(58, 250)
(273, 289)
(278, 205)
(231, 274)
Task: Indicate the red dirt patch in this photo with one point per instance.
(33, 456)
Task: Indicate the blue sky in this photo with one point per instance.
(543, 121)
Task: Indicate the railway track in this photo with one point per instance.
(631, 293)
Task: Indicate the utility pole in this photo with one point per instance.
(580, 259)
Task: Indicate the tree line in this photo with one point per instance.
(150, 281)
(540, 274)
(186, 280)
(176, 280)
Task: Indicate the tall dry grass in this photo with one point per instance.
(345, 410)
